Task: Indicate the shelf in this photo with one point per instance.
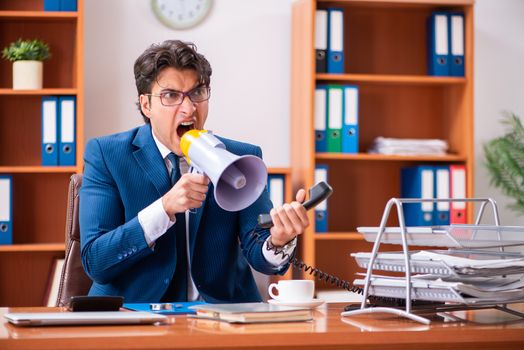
(391, 79)
(45, 247)
(279, 170)
(37, 169)
(39, 92)
(385, 157)
(402, 3)
(38, 15)
(346, 236)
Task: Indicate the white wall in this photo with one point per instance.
(247, 43)
(499, 84)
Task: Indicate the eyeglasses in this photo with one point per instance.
(174, 98)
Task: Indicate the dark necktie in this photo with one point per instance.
(177, 290)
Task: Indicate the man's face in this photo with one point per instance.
(169, 123)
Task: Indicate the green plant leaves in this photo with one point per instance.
(505, 161)
(26, 50)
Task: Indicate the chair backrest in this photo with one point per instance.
(73, 280)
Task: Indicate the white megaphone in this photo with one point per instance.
(238, 180)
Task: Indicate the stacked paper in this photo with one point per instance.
(450, 265)
(464, 277)
(455, 235)
(395, 146)
(496, 290)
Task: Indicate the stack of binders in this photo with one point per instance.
(336, 118)
(58, 130)
(6, 213)
(329, 40)
(428, 182)
(60, 5)
(446, 44)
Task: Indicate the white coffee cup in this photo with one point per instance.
(292, 290)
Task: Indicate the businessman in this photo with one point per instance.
(151, 231)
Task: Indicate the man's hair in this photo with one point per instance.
(171, 53)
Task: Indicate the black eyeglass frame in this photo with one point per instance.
(184, 95)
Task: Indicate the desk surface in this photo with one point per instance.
(327, 331)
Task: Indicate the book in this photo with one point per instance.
(252, 313)
(53, 282)
(215, 327)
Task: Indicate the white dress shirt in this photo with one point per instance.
(155, 222)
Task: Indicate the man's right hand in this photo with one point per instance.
(189, 192)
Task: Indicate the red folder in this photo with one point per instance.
(457, 212)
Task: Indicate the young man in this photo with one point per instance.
(150, 231)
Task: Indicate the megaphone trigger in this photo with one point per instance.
(193, 170)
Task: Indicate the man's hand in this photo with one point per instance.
(188, 193)
(289, 220)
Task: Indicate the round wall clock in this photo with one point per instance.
(181, 14)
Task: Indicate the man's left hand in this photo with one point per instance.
(289, 220)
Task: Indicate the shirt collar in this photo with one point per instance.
(164, 151)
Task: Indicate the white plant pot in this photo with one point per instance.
(27, 75)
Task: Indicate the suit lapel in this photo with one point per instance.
(150, 161)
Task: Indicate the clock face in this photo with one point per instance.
(181, 14)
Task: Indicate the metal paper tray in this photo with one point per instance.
(419, 292)
(456, 236)
(395, 262)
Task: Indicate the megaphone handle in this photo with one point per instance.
(317, 194)
(193, 170)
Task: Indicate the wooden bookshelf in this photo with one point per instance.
(352, 236)
(31, 248)
(38, 15)
(39, 192)
(386, 157)
(390, 79)
(386, 57)
(38, 92)
(37, 169)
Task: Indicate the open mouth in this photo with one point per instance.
(185, 127)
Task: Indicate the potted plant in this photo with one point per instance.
(505, 161)
(27, 57)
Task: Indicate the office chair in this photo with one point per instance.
(73, 280)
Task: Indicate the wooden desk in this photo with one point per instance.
(327, 331)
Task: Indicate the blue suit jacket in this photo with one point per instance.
(124, 173)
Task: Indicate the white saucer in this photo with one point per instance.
(310, 304)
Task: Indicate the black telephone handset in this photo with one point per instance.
(317, 194)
